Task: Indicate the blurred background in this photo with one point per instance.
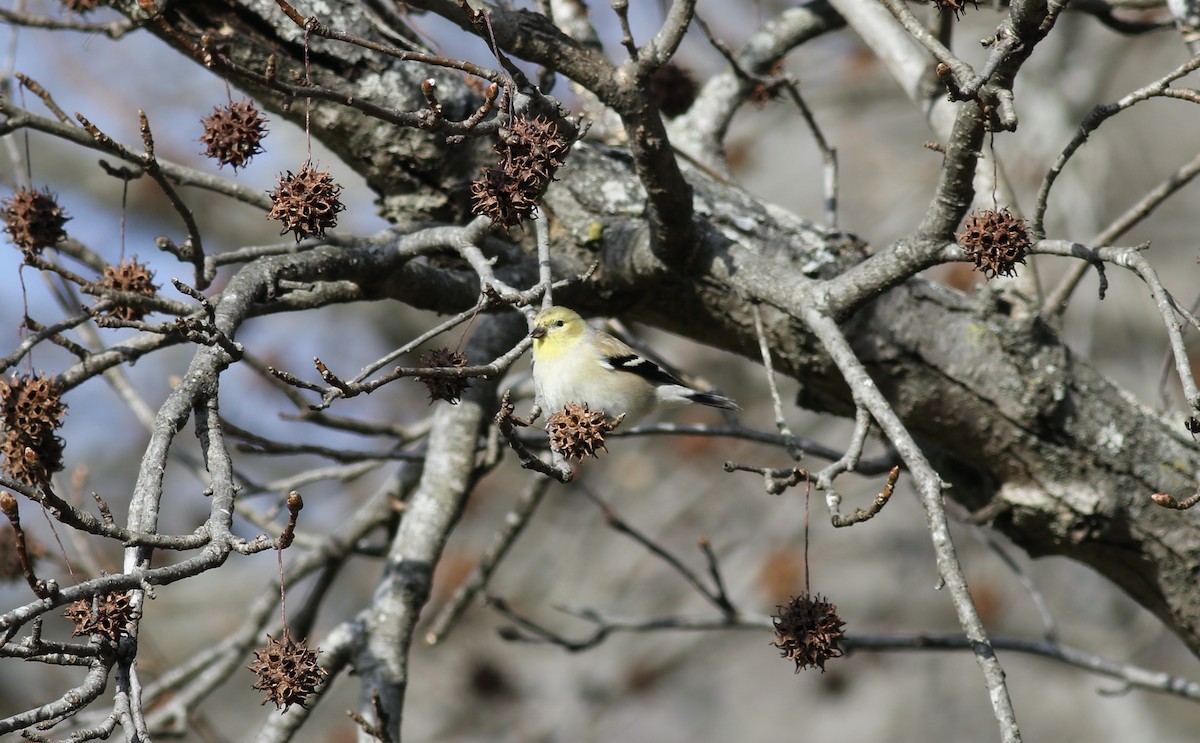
(663, 687)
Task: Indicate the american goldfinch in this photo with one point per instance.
(574, 362)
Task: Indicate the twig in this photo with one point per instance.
(41, 333)
(560, 470)
(1090, 123)
(829, 158)
(657, 50)
(848, 462)
(340, 388)
(291, 390)
(380, 732)
(621, 8)
(809, 447)
(514, 523)
(47, 100)
(828, 154)
(776, 480)
(1167, 501)
(705, 127)
(1134, 260)
(122, 298)
(1056, 300)
(313, 26)
(714, 595)
(790, 442)
(258, 444)
(1132, 676)
(18, 118)
(192, 249)
(8, 504)
(714, 572)
(433, 332)
(877, 505)
(605, 626)
(294, 505)
(1049, 628)
(74, 699)
(113, 29)
(957, 72)
(75, 518)
(929, 487)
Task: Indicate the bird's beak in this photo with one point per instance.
(538, 332)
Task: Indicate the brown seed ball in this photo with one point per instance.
(449, 389)
(306, 202)
(287, 670)
(576, 431)
(233, 134)
(133, 277)
(34, 220)
(995, 241)
(530, 152)
(809, 631)
(113, 611)
(31, 407)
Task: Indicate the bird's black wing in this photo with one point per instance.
(643, 367)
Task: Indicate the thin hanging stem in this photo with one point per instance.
(124, 212)
(807, 498)
(282, 591)
(307, 99)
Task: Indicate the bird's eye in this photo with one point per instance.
(559, 324)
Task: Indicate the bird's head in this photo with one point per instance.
(556, 327)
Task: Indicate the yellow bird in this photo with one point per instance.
(574, 362)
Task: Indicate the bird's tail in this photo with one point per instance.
(712, 400)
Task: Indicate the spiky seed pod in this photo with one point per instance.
(577, 431)
(534, 144)
(233, 133)
(287, 670)
(31, 408)
(79, 612)
(530, 153)
(133, 277)
(493, 194)
(995, 242)
(957, 7)
(809, 631)
(34, 220)
(673, 89)
(306, 202)
(113, 611)
(82, 6)
(449, 389)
